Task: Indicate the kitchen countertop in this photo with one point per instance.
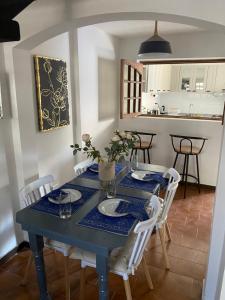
(209, 117)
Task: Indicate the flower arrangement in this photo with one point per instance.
(119, 146)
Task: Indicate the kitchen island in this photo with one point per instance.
(162, 151)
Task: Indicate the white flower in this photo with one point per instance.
(122, 134)
(129, 136)
(85, 137)
(116, 138)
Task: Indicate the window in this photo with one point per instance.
(131, 85)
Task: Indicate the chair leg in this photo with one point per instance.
(82, 283)
(147, 274)
(197, 164)
(144, 156)
(149, 159)
(162, 239)
(29, 262)
(67, 277)
(127, 289)
(184, 168)
(186, 176)
(175, 161)
(168, 232)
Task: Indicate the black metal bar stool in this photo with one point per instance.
(143, 143)
(187, 145)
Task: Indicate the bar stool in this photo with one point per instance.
(184, 145)
(143, 143)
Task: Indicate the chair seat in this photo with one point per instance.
(118, 261)
(187, 150)
(144, 145)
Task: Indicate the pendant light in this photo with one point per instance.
(155, 46)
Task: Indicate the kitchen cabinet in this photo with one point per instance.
(159, 77)
(220, 78)
(198, 78)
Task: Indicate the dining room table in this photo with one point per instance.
(86, 228)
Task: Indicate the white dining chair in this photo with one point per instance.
(30, 194)
(173, 176)
(161, 224)
(82, 166)
(125, 260)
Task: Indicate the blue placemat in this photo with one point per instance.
(94, 175)
(119, 225)
(46, 206)
(149, 186)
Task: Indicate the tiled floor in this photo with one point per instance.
(190, 222)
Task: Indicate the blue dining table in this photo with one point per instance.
(39, 223)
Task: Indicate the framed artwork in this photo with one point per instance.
(52, 92)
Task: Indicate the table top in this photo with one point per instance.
(68, 231)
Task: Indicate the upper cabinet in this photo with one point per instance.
(159, 77)
(198, 77)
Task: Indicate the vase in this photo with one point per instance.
(106, 174)
(106, 171)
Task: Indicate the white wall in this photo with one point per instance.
(98, 73)
(43, 152)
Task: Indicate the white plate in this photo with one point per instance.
(139, 175)
(93, 169)
(108, 207)
(75, 196)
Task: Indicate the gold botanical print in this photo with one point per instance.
(52, 92)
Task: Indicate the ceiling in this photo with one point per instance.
(123, 29)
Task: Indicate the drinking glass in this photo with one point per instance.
(134, 162)
(111, 189)
(65, 209)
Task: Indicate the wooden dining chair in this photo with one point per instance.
(161, 224)
(125, 260)
(30, 194)
(82, 166)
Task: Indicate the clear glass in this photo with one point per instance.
(134, 162)
(65, 208)
(111, 189)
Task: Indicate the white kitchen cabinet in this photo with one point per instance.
(159, 77)
(210, 85)
(220, 78)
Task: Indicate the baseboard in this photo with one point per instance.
(21, 246)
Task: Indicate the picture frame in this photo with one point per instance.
(52, 92)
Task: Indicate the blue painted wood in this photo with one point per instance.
(37, 244)
(68, 231)
(102, 270)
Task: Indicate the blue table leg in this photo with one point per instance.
(102, 269)
(37, 244)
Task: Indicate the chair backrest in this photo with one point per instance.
(33, 191)
(178, 141)
(82, 166)
(143, 136)
(172, 175)
(144, 231)
(167, 201)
